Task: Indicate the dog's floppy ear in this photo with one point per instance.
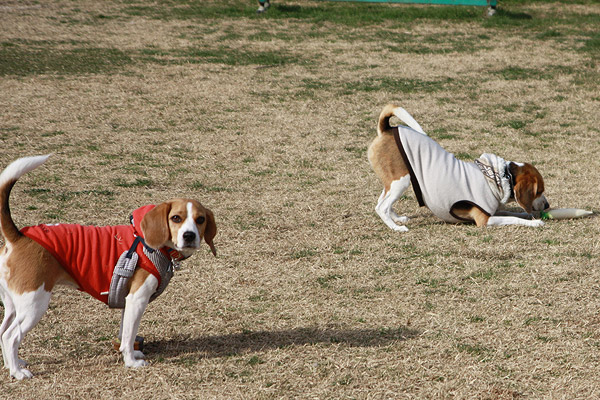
(525, 191)
(210, 231)
(155, 226)
(525, 188)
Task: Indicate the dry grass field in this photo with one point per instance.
(266, 120)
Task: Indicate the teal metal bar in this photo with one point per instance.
(486, 3)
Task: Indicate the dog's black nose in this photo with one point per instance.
(189, 236)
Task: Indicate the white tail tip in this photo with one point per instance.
(21, 166)
(405, 117)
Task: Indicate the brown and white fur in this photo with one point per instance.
(28, 272)
(388, 164)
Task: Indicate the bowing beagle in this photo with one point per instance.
(454, 190)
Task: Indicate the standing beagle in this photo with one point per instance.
(125, 266)
(454, 190)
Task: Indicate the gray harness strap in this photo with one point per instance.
(126, 266)
(124, 270)
(163, 265)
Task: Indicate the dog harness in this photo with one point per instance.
(440, 180)
(102, 259)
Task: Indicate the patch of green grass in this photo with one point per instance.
(465, 156)
(54, 215)
(138, 182)
(345, 380)
(544, 339)
(591, 46)
(484, 274)
(221, 55)
(255, 360)
(549, 34)
(315, 84)
(430, 282)
(303, 253)
(45, 58)
(437, 44)
(506, 18)
(359, 152)
(325, 281)
(208, 188)
(531, 320)
(348, 14)
(518, 73)
(548, 72)
(264, 172)
(514, 123)
(52, 133)
(397, 85)
(475, 350)
(37, 192)
(441, 134)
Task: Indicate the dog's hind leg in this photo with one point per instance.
(9, 316)
(386, 202)
(30, 307)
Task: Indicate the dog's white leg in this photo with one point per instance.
(395, 217)
(29, 309)
(9, 316)
(386, 202)
(135, 305)
(121, 326)
(502, 221)
(136, 354)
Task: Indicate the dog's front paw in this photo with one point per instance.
(136, 363)
(21, 373)
(536, 223)
(400, 228)
(138, 355)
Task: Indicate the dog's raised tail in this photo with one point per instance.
(391, 110)
(8, 178)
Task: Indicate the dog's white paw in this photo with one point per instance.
(21, 373)
(138, 355)
(536, 223)
(136, 364)
(400, 228)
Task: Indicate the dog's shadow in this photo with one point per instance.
(251, 342)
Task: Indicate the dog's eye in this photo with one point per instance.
(200, 220)
(176, 219)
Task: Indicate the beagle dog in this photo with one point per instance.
(454, 190)
(138, 257)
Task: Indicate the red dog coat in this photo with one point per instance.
(89, 253)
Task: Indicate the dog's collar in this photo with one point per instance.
(495, 170)
(168, 252)
(173, 254)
